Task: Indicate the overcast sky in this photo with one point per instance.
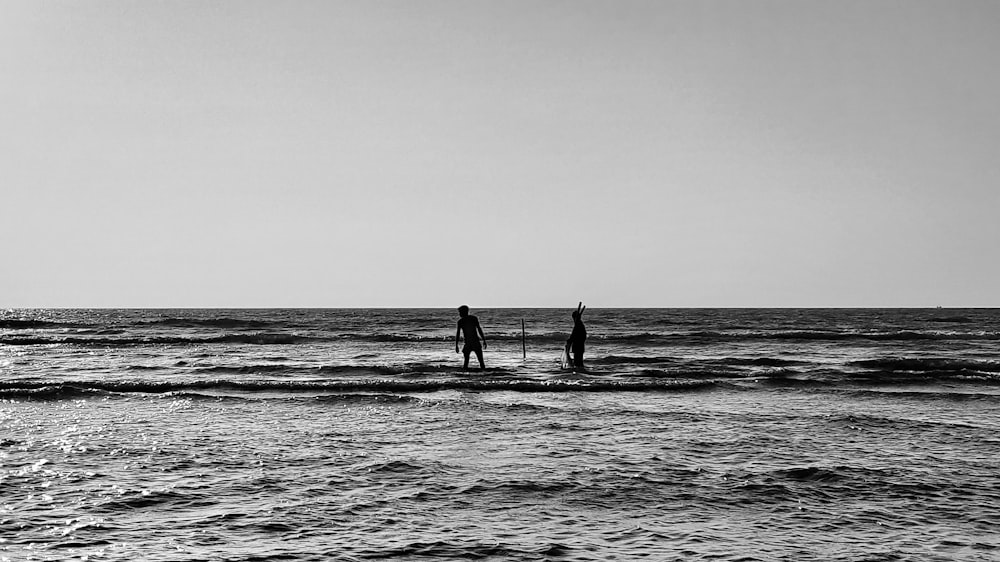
(432, 153)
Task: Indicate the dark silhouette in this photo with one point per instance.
(578, 338)
(469, 327)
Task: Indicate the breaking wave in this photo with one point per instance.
(47, 390)
(929, 365)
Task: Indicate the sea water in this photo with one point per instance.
(859, 435)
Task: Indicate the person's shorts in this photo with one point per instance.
(473, 346)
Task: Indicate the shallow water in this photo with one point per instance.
(734, 449)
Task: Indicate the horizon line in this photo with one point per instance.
(383, 307)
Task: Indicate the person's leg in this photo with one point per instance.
(479, 355)
(466, 366)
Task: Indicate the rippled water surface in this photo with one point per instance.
(127, 437)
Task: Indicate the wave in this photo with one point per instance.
(630, 360)
(251, 339)
(901, 335)
(358, 397)
(759, 362)
(811, 473)
(375, 388)
(952, 319)
(929, 365)
(685, 373)
(441, 549)
(709, 337)
(271, 369)
(49, 390)
(610, 366)
(639, 339)
(162, 499)
(27, 324)
(923, 378)
(950, 395)
(814, 335)
(213, 323)
(725, 366)
(304, 370)
(365, 398)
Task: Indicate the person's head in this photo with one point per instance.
(463, 311)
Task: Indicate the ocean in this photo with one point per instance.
(348, 434)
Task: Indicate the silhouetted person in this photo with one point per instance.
(469, 327)
(578, 338)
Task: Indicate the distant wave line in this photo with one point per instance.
(646, 338)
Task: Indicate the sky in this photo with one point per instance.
(737, 153)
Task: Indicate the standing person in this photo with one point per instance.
(578, 338)
(468, 326)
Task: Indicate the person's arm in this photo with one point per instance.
(481, 334)
(458, 332)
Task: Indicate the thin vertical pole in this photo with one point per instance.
(524, 346)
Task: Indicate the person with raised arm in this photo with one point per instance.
(576, 343)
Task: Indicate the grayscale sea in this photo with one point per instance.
(696, 434)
